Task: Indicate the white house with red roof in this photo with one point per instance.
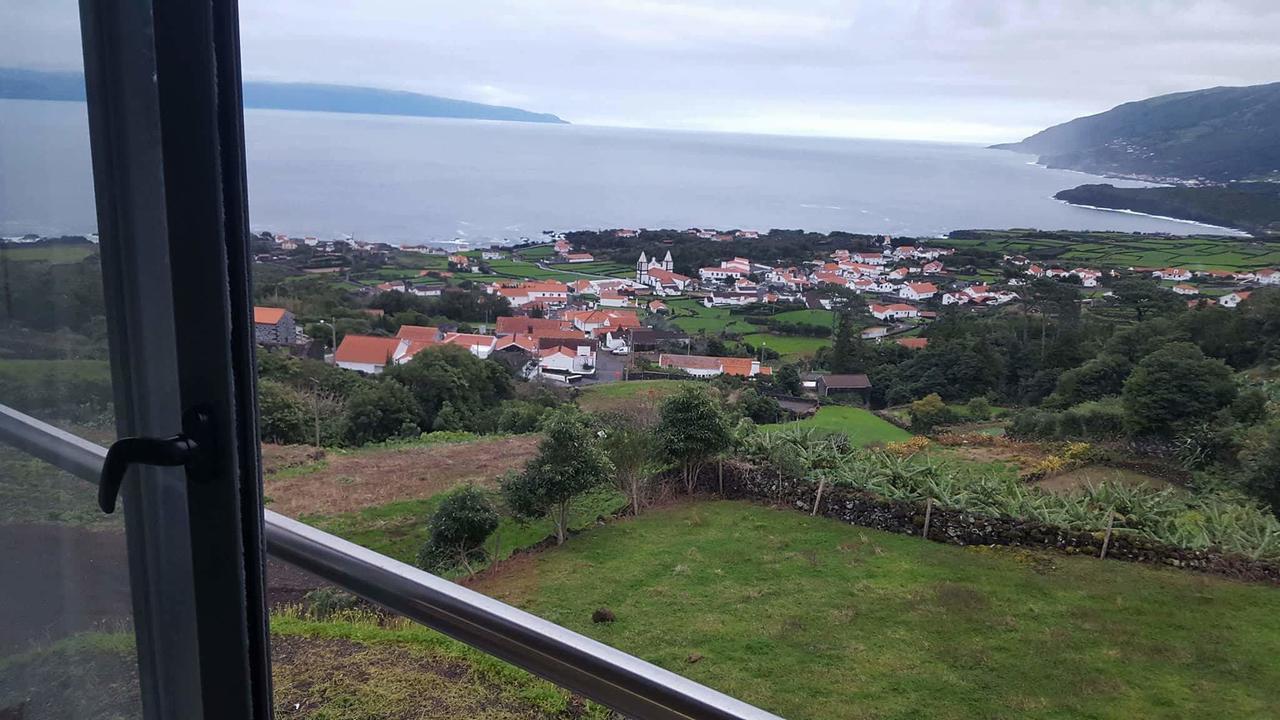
(1231, 300)
(479, 345)
(566, 362)
(896, 311)
(918, 291)
(1177, 274)
(708, 366)
(933, 267)
(1185, 289)
(579, 257)
(1267, 276)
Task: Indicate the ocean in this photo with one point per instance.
(423, 180)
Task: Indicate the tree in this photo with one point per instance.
(1101, 376)
(928, 412)
(449, 418)
(692, 430)
(978, 408)
(1175, 385)
(282, 416)
(458, 529)
(1260, 464)
(451, 374)
(787, 379)
(1145, 297)
(381, 411)
(569, 462)
(632, 446)
(844, 351)
(762, 409)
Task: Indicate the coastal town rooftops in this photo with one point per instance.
(268, 315)
(531, 326)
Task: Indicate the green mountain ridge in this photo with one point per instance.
(20, 84)
(1215, 135)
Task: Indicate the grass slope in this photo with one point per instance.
(811, 618)
(862, 426)
(620, 395)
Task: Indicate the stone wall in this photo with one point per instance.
(739, 480)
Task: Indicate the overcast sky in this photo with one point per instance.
(958, 70)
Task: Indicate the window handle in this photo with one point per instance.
(188, 449)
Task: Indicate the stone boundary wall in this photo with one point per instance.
(740, 480)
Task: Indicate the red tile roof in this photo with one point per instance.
(268, 315)
(531, 326)
(913, 343)
(421, 333)
(366, 349)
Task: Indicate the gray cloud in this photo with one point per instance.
(969, 70)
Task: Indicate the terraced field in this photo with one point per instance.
(1197, 252)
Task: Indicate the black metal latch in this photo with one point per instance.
(190, 448)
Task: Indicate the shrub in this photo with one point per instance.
(322, 603)
(458, 530)
(381, 411)
(930, 412)
(978, 408)
(282, 416)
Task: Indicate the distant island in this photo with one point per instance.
(20, 84)
(1215, 135)
(1251, 207)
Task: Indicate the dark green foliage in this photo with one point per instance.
(692, 430)
(381, 411)
(458, 529)
(1250, 406)
(449, 418)
(787, 379)
(1260, 463)
(519, 416)
(1252, 207)
(569, 462)
(632, 446)
(1173, 386)
(1145, 298)
(1220, 133)
(282, 414)
(978, 408)
(1098, 378)
(929, 412)
(450, 374)
(762, 409)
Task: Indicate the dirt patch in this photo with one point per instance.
(314, 676)
(346, 482)
(1023, 455)
(1098, 474)
(59, 580)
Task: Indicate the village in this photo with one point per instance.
(580, 327)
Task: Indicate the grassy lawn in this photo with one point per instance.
(862, 426)
(399, 529)
(823, 318)
(1123, 250)
(811, 618)
(615, 396)
(692, 316)
(48, 253)
(790, 346)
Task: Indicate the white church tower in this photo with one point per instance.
(667, 264)
(642, 269)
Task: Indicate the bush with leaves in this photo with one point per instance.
(458, 529)
(282, 415)
(381, 411)
(632, 446)
(978, 408)
(929, 412)
(692, 430)
(1173, 386)
(569, 462)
